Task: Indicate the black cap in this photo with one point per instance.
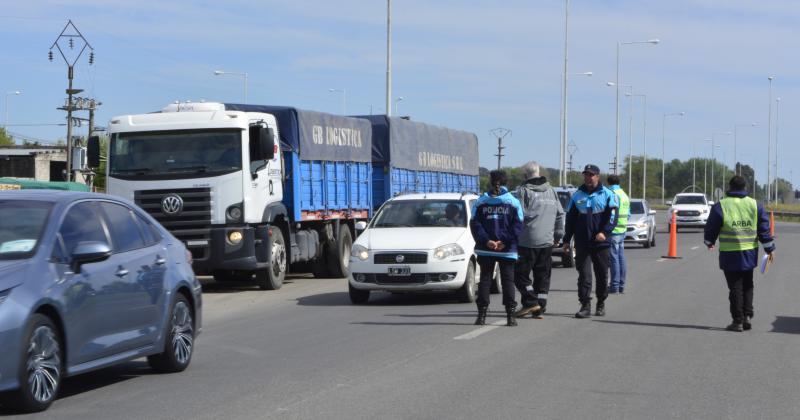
(592, 169)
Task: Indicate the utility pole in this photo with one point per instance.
(69, 35)
(388, 58)
(500, 133)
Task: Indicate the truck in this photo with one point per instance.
(414, 157)
(256, 191)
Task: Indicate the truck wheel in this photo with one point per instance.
(496, 287)
(466, 294)
(272, 277)
(319, 267)
(568, 258)
(357, 296)
(339, 255)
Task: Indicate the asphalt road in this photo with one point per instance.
(305, 352)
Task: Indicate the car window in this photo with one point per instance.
(637, 207)
(151, 235)
(563, 197)
(125, 234)
(22, 223)
(690, 199)
(81, 224)
(421, 213)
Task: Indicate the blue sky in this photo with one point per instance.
(472, 65)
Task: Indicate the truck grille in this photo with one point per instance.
(193, 222)
(408, 258)
(688, 213)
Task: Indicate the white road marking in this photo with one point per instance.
(660, 259)
(479, 331)
(695, 247)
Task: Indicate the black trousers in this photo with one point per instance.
(540, 262)
(506, 280)
(740, 294)
(585, 259)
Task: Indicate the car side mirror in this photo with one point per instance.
(710, 203)
(361, 225)
(89, 252)
(93, 152)
(651, 212)
(669, 203)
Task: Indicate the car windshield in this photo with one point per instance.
(637, 207)
(175, 154)
(690, 199)
(564, 197)
(421, 213)
(21, 225)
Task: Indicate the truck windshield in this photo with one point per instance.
(175, 153)
(421, 213)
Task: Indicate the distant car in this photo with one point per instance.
(691, 210)
(641, 224)
(87, 281)
(567, 258)
(411, 245)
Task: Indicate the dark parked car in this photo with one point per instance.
(567, 258)
(87, 281)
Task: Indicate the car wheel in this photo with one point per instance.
(339, 257)
(272, 277)
(568, 258)
(496, 287)
(179, 342)
(40, 368)
(468, 292)
(653, 238)
(357, 296)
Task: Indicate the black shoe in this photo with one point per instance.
(735, 327)
(613, 291)
(535, 308)
(622, 290)
(585, 312)
(481, 320)
(746, 325)
(601, 309)
(511, 320)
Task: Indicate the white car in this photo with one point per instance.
(412, 245)
(691, 210)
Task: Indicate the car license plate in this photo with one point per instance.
(400, 271)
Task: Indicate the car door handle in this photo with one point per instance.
(122, 272)
(161, 261)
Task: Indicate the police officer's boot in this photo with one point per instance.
(601, 308)
(481, 320)
(586, 310)
(511, 318)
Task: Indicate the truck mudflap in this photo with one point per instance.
(224, 254)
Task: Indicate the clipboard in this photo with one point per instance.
(765, 263)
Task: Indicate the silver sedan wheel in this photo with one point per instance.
(44, 364)
(182, 333)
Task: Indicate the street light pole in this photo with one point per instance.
(562, 176)
(736, 166)
(713, 160)
(344, 98)
(16, 92)
(663, 138)
(616, 83)
(777, 126)
(396, 101)
(233, 73)
(388, 58)
(769, 140)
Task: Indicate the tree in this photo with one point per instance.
(5, 139)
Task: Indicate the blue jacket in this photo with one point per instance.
(497, 218)
(589, 213)
(738, 260)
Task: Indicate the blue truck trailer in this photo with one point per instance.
(410, 156)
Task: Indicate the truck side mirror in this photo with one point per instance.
(93, 152)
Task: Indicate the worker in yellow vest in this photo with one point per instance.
(740, 223)
(619, 267)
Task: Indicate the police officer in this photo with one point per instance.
(495, 225)
(617, 260)
(591, 217)
(544, 227)
(740, 223)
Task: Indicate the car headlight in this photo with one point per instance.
(641, 225)
(449, 250)
(360, 251)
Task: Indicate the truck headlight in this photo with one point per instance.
(449, 250)
(360, 251)
(234, 237)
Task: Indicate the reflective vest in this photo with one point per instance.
(739, 224)
(623, 211)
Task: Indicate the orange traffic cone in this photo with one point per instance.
(673, 240)
(772, 223)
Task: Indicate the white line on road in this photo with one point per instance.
(479, 331)
(661, 259)
(695, 247)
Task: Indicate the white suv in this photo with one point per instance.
(691, 210)
(416, 242)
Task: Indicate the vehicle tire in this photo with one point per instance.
(272, 277)
(319, 268)
(646, 243)
(669, 227)
(653, 239)
(496, 287)
(339, 255)
(357, 296)
(568, 258)
(179, 341)
(467, 293)
(40, 367)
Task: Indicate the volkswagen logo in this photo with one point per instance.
(400, 258)
(171, 204)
